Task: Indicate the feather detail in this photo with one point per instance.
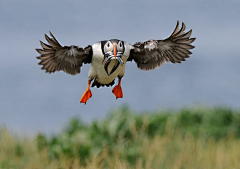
(69, 59)
(153, 53)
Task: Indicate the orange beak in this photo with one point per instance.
(115, 50)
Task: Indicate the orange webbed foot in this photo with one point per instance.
(86, 96)
(117, 91)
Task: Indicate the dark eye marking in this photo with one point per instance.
(108, 45)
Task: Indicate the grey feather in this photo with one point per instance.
(69, 59)
(153, 53)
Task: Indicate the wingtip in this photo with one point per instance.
(181, 31)
(41, 43)
(193, 39)
(176, 29)
(50, 33)
(46, 36)
(38, 50)
(38, 57)
(183, 24)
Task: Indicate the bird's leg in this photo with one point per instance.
(87, 94)
(117, 90)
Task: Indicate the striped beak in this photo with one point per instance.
(113, 55)
(115, 49)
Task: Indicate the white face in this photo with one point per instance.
(108, 47)
(120, 47)
(113, 50)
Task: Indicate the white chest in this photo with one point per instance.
(97, 67)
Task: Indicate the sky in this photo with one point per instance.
(32, 101)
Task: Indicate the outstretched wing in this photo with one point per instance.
(69, 59)
(153, 53)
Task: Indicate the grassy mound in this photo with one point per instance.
(187, 138)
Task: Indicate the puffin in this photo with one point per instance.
(108, 58)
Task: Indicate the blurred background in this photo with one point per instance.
(33, 101)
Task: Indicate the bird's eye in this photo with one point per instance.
(120, 44)
(108, 47)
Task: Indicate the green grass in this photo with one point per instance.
(185, 139)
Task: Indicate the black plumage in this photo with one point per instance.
(69, 59)
(153, 53)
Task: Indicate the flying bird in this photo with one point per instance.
(108, 58)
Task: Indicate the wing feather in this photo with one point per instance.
(176, 29)
(153, 53)
(54, 57)
(45, 46)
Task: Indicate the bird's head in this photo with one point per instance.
(113, 50)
